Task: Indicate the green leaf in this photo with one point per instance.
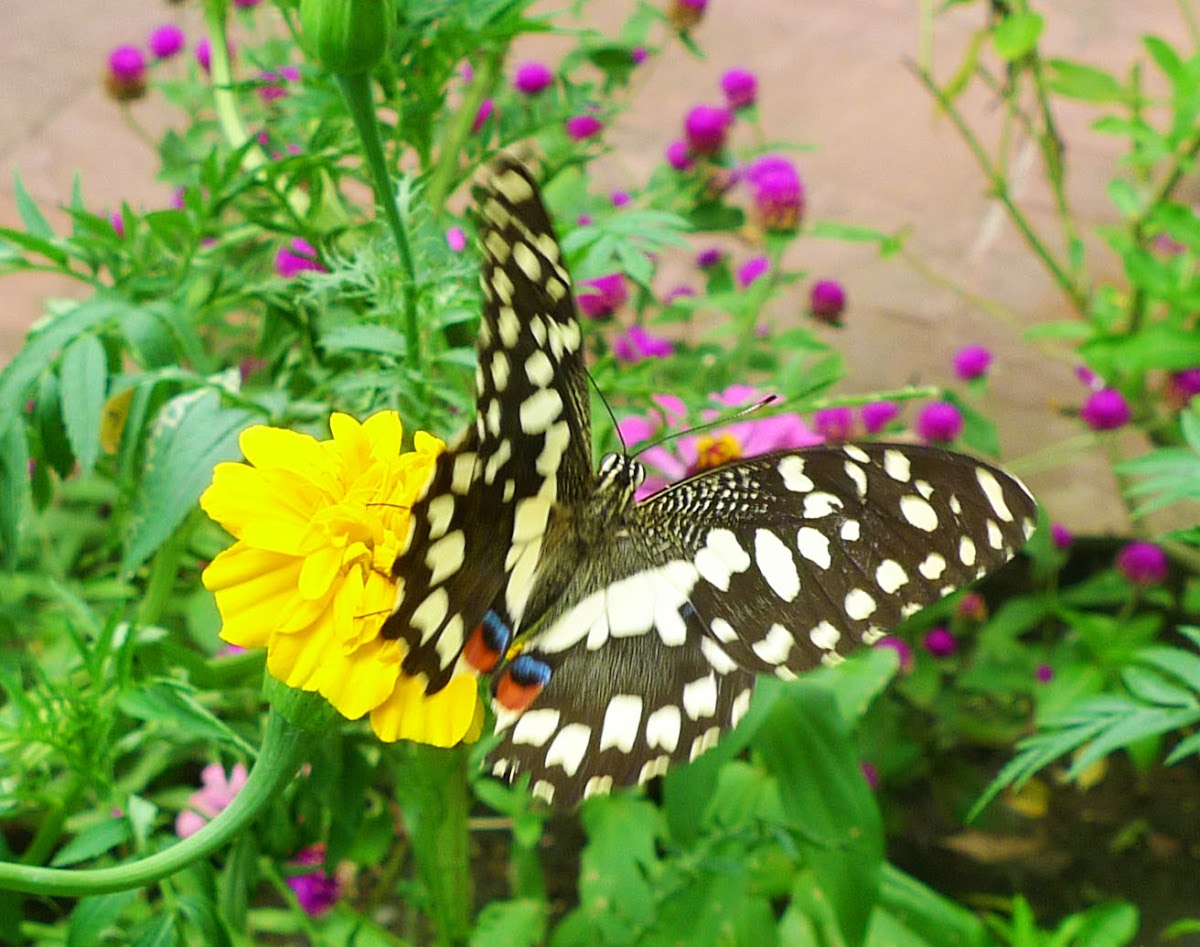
(856, 682)
(939, 921)
(517, 923)
(202, 913)
(1107, 925)
(172, 704)
(1167, 60)
(1017, 35)
(92, 841)
(31, 217)
(1086, 83)
(191, 435)
(365, 338)
(159, 931)
(93, 918)
(83, 384)
(16, 499)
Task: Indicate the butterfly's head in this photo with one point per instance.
(619, 473)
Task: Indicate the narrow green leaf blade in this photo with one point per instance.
(83, 383)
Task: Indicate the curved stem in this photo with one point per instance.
(282, 750)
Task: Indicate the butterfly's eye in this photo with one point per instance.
(639, 474)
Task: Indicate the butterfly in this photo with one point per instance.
(624, 637)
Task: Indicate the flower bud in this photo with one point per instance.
(347, 37)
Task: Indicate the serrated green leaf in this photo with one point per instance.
(1017, 35)
(158, 931)
(16, 499)
(92, 841)
(31, 217)
(93, 917)
(516, 923)
(365, 338)
(173, 704)
(83, 387)
(191, 435)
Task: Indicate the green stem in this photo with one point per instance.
(435, 802)
(356, 89)
(47, 833)
(164, 570)
(282, 751)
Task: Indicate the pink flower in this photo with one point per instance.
(834, 424)
(583, 127)
(316, 891)
(684, 14)
(166, 41)
(600, 297)
(740, 87)
(638, 55)
(705, 128)
(118, 223)
(620, 198)
(827, 301)
(878, 415)
(126, 77)
(456, 239)
(636, 344)
(777, 191)
(1089, 377)
(1044, 673)
(752, 269)
(1061, 536)
(972, 362)
(939, 421)
(215, 794)
(1142, 563)
(678, 157)
(903, 651)
(295, 257)
(971, 607)
(246, 4)
(532, 78)
(273, 85)
(1181, 388)
(709, 257)
(487, 108)
(682, 291)
(939, 642)
(1105, 410)
(204, 53)
(870, 774)
(691, 453)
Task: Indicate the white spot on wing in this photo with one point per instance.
(918, 512)
(995, 494)
(932, 566)
(622, 718)
(777, 565)
(995, 538)
(824, 636)
(439, 513)
(775, 647)
(539, 369)
(966, 551)
(540, 410)
(814, 545)
(445, 556)
(569, 747)
(721, 556)
(851, 531)
(859, 476)
(662, 728)
(700, 697)
(890, 575)
(817, 505)
(535, 727)
(791, 469)
(716, 656)
(859, 604)
(896, 465)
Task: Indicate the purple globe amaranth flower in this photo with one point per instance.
(620, 198)
(752, 269)
(1061, 536)
(1044, 673)
(878, 415)
(834, 424)
(118, 223)
(709, 257)
(583, 220)
(972, 362)
(740, 87)
(777, 191)
(638, 55)
(531, 78)
(1105, 410)
(705, 129)
(583, 127)
(939, 642)
(684, 14)
(903, 651)
(204, 53)
(1181, 388)
(166, 41)
(827, 301)
(316, 891)
(1142, 563)
(940, 422)
(1089, 377)
(600, 297)
(456, 239)
(635, 344)
(678, 157)
(682, 291)
(971, 607)
(126, 76)
(297, 256)
(273, 85)
(487, 109)
(246, 4)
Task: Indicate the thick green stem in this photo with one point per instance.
(282, 751)
(356, 89)
(435, 802)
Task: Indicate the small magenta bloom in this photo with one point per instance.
(752, 269)
(740, 87)
(1061, 536)
(1105, 410)
(777, 191)
(705, 128)
(903, 651)
(939, 421)
(246, 4)
(487, 108)
(1181, 388)
(583, 127)
(204, 53)
(583, 220)
(295, 257)
(166, 41)
(827, 301)
(215, 794)
(682, 291)
(1044, 673)
(870, 774)
(639, 54)
(636, 344)
(878, 415)
(678, 157)
(118, 223)
(456, 239)
(972, 362)
(939, 642)
(126, 77)
(532, 77)
(273, 85)
(709, 257)
(684, 14)
(834, 424)
(971, 607)
(316, 891)
(599, 298)
(620, 198)
(1089, 377)
(1142, 563)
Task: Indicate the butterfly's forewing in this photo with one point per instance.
(477, 531)
(772, 564)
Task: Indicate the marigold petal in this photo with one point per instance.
(318, 573)
(253, 589)
(365, 678)
(441, 719)
(268, 509)
(384, 432)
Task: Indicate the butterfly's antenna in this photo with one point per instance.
(613, 417)
(715, 422)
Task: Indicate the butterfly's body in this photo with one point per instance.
(641, 626)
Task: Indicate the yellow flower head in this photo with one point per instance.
(318, 526)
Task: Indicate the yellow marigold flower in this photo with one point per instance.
(318, 526)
